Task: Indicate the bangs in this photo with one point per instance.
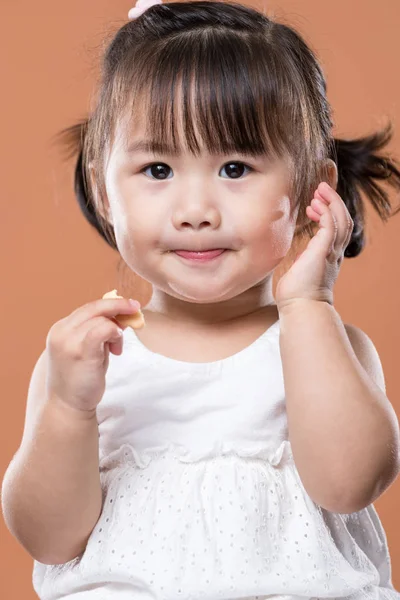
(197, 87)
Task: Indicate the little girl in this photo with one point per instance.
(234, 446)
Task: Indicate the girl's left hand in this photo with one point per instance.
(313, 274)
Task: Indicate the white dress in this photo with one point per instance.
(202, 499)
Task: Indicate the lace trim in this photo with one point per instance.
(127, 454)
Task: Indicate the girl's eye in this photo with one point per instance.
(160, 170)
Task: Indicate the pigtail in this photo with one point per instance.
(73, 139)
(360, 169)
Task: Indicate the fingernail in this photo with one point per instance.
(134, 303)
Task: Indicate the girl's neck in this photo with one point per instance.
(258, 299)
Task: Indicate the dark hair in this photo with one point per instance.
(258, 89)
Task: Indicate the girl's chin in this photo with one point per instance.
(198, 294)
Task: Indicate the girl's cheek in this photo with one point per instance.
(279, 230)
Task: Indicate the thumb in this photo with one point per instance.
(117, 346)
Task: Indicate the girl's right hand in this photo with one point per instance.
(78, 349)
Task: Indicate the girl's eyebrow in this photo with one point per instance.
(151, 147)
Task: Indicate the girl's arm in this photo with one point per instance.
(343, 430)
(51, 492)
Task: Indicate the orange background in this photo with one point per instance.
(52, 261)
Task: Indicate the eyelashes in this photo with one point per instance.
(166, 167)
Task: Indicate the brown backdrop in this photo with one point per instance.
(51, 259)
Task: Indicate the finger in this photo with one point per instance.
(337, 246)
(345, 223)
(117, 347)
(338, 206)
(349, 232)
(327, 226)
(92, 336)
(104, 307)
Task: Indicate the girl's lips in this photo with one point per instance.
(200, 256)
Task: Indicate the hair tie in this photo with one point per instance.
(140, 7)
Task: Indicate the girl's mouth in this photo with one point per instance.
(203, 256)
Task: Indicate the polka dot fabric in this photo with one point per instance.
(201, 495)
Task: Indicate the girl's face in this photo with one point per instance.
(160, 203)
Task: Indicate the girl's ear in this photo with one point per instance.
(331, 173)
(103, 208)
